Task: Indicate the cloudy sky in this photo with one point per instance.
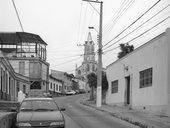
(63, 25)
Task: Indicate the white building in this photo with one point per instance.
(65, 77)
(55, 85)
(141, 79)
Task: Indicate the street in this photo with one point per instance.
(80, 116)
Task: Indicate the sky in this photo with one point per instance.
(63, 25)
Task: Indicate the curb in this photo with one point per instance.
(124, 118)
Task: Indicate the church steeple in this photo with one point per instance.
(89, 38)
(89, 54)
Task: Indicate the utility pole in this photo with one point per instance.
(99, 66)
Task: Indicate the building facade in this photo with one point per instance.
(26, 53)
(65, 77)
(141, 78)
(55, 86)
(10, 82)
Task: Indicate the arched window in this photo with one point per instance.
(93, 67)
(88, 67)
(79, 72)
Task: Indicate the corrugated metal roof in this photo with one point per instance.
(19, 37)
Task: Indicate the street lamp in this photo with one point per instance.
(94, 29)
(96, 32)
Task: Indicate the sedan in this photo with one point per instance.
(39, 113)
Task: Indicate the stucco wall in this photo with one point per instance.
(153, 54)
(15, 65)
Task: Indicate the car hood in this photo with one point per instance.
(39, 116)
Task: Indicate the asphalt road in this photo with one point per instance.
(81, 116)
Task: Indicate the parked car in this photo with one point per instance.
(40, 112)
(47, 94)
(77, 91)
(71, 92)
(82, 91)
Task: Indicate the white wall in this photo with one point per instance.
(56, 83)
(153, 54)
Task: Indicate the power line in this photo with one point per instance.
(91, 15)
(138, 26)
(18, 16)
(121, 11)
(140, 34)
(68, 61)
(65, 57)
(94, 8)
(113, 17)
(79, 22)
(133, 23)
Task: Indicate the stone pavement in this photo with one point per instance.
(136, 117)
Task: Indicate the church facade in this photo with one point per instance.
(89, 63)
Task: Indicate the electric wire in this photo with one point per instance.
(139, 35)
(64, 57)
(94, 8)
(120, 13)
(79, 23)
(113, 17)
(132, 23)
(18, 16)
(84, 19)
(66, 62)
(91, 16)
(137, 27)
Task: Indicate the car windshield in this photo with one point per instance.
(38, 105)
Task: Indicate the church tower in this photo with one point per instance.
(89, 64)
(89, 55)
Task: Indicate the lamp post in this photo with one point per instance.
(99, 66)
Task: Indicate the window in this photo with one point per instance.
(88, 67)
(146, 78)
(114, 86)
(59, 88)
(56, 87)
(93, 67)
(24, 89)
(51, 85)
(79, 72)
(35, 69)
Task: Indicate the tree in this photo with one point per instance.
(92, 81)
(125, 49)
(104, 86)
(104, 82)
(75, 85)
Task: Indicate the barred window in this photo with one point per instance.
(146, 78)
(114, 86)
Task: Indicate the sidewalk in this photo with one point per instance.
(136, 117)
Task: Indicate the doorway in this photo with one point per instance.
(127, 90)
